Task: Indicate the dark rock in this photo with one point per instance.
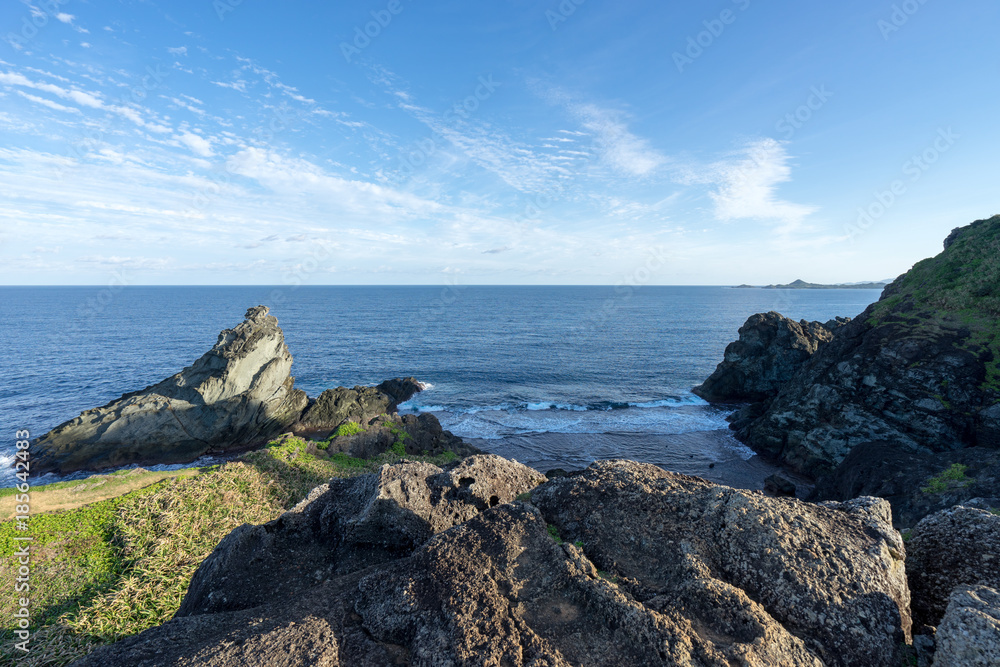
(811, 571)
(918, 369)
(770, 349)
(969, 634)
(421, 435)
(361, 404)
(238, 393)
(902, 475)
(779, 485)
(953, 547)
(694, 574)
(348, 525)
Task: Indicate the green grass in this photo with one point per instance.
(554, 534)
(950, 478)
(113, 568)
(960, 288)
(348, 428)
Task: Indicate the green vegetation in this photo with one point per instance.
(399, 446)
(578, 544)
(554, 534)
(348, 428)
(907, 535)
(952, 477)
(524, 497)
(958, 289)
(607, 576)
(110, 569)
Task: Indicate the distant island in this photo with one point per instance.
(801, 284)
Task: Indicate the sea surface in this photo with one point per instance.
(550, 376)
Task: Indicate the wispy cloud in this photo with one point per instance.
(618, 146)
(746, 184)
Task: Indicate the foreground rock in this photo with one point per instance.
(969, 634)
(453, 573)
(348, 525)
(237, 393)
(417, 435)
(770, 349)
(952, 548)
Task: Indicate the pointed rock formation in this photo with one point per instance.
(237, 393)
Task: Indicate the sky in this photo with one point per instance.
(507, 142)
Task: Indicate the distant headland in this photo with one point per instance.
(801, 284)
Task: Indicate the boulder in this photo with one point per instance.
(427, 567)
(770, 349)
(741, 565)
(348, 525)
(420, 435)
(779, 485)
(361, 404)
(969, 634)
(238, 393)
(956, 547)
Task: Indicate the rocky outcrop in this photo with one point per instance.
(969, 634)
(361, 404)
(906, 478)
(348, 525)
(237, 393)
(918, 370)
(954, 547)
(741, 565)
(454, 573)
(770, 349)
(419, 435)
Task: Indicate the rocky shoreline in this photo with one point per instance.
(894, 559)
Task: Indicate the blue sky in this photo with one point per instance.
(512, 142)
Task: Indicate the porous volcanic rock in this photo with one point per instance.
(237, 393)
(951, 548)
(350, 524)
(691, 574)
(969, 634)
(770, 349)
(831, 575)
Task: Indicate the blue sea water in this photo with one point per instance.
(551, 376)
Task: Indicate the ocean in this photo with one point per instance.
(550, 376)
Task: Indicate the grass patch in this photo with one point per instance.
(554, 534)
(115, 567)
(951, 477)
(348, 428)
(67, 495)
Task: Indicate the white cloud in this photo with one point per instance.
(177, 50)
(78, 96)
(621, 149)
(48, 103)
(199, 145)
(746, 184)
(64, 17)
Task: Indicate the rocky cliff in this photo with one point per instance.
(770, 349)
(478, 564)
(238, 392)
(917, 372)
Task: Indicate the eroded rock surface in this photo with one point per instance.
(431, 567)
(919, 370)
(969, 634)
(348, 525)
(237, 393)
(770, 349)
(830, 575)
(951, 548)
(361, 404)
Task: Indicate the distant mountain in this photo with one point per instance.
(801, 284)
